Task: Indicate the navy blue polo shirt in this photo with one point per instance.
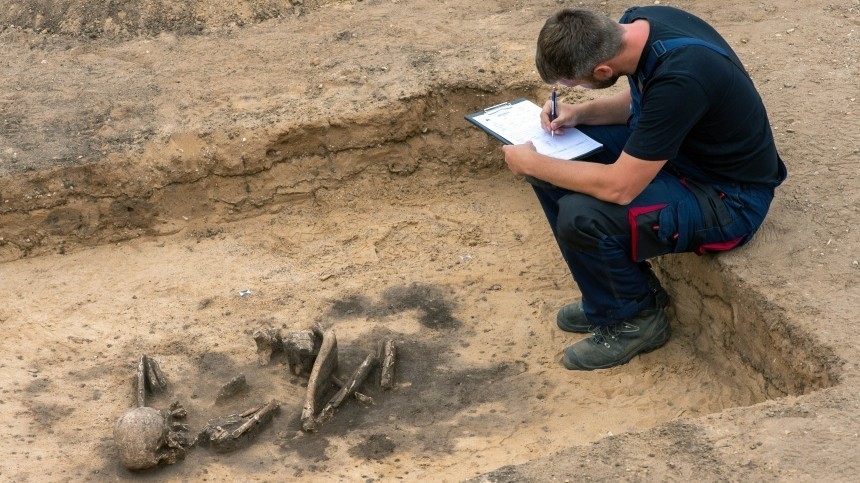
(699, 105)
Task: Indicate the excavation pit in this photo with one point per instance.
(377, 226)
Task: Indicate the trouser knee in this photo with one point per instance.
(584, 221)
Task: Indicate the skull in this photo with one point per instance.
(144, 439)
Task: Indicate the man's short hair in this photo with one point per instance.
(573, 42)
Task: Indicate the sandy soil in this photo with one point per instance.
(159, 158)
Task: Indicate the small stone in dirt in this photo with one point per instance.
(233, 387)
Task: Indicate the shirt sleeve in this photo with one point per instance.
(671, 106)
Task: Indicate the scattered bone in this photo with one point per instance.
(141, 437)
(177, 410)
(355, 380)
(140, 382)
(387, 358)
(155, 380)
(232, 432)
(302, 348)
(218, 430)
(150, 379)
(362, 398)
(255, 418)
(146, 437)
(233, 387)
(320, 379)
(268, 343)
(179, 431)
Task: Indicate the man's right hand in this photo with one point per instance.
(564, 117)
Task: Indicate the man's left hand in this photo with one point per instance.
(519, 157)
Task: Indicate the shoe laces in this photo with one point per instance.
(603, 334)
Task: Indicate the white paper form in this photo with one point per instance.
(520, 122)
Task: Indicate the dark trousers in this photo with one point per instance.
(605, 245)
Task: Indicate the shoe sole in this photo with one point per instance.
(667, 333)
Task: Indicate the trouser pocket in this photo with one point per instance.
(645, 238)
(715, 215)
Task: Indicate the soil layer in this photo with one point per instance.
(174, 177)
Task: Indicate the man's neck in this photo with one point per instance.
(635, 37)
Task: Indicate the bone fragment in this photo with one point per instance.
(362, 398)
(320, 380)
(155, 380)
(146, 437)
(250, 412)
(149, 379)
(268, 343)
(302, 348)
(355, 380)
(387, 357)
(141, 382)
(264, 414)
(234, 431)
(177, 410)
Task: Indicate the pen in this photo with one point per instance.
(553, 114)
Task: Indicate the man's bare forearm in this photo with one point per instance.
(604, 111)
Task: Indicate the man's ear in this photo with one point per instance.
(602, 72)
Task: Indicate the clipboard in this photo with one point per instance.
(518, 121)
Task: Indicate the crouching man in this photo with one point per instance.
(689, 164)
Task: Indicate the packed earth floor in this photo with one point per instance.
(177, 176)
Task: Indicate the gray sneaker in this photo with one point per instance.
(614, 345)
(571, 317)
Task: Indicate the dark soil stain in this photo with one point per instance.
(505, 474)
(374, 447)
(432, 396)
(217, 365)
(435, 307)
(214, 369)
(45, 415)
(436, 310)
(351, 306)
(37, 386)
(310, 446)
(102, 372)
